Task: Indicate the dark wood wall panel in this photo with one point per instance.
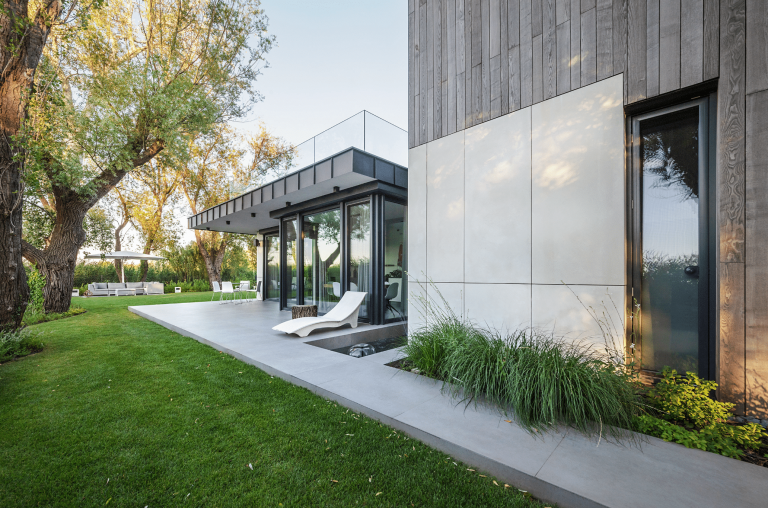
(669, 46)
(588, 47)
(757, 45)
(604, 42)
(636, 53)
(691, 42)
(652, 47)
(575, 28)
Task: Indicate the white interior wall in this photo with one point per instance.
(503, 214)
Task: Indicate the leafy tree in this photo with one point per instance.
(215, 172)
(24, 32)
(140, 78)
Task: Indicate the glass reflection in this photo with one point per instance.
(359, 224)
(350, 132)
(386, 140)
(321, 234)
(272, 284)
(290, 228)
(670, 241)
(394, 261)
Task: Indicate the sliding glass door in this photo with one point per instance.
(395, 236)
(359, 241)
(321, 233)
(272, 263)
(672, 237)
(290, 230)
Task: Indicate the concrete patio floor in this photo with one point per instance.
(564, 468)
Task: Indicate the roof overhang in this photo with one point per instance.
(337, 177)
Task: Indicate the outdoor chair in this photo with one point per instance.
(216, 289)
(344, 312)
(392, 291)
(254, 291)
(243, 289)
(226, 289)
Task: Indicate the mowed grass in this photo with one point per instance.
(119, 411)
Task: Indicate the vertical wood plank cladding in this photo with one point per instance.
(603, 4)
(477, 42)
(636, 36)
(691, 42)
(563, 57)
(444, 108)
(669, 45)
(756, 301)
(495, 87)
(485, 70)
(494, 14)
(423, 58)
(652, 50)
(461, 101)
(730, 136)
(468, 63)
(526, 55)
(477, 94)
(444, 67)
(731, 195)
(620, 37)
(513, 23)
(430, 96)
(411, 78)
(562, 11)
(604, 43)
(451, 45)
(438, 69)
(587, 5)
(575, 61)
(504, 55)
(549, 42)
(732, 334)
(757, 45)
(515, 100)
(537, 17)
(712, 38)
(538, 77)
(588, 47)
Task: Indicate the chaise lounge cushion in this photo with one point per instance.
(115, 285)
(101, 285)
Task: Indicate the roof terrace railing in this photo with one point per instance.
(365, 131)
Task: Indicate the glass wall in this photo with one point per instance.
(321, 234)
(290, 228)
(395, 234)
(359, 238)
(272, 282)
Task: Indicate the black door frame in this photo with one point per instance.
(707, 229)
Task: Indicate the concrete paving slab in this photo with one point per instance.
(563, 467)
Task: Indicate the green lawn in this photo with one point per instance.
(119, 411)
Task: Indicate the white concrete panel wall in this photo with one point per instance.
(521, 204)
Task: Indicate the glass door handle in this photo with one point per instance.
(693, 271)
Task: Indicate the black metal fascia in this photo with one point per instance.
(374, 187)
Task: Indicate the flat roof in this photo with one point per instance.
(250, 212)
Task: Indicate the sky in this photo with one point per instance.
(333, 58)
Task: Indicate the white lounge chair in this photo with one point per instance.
(216, 289)
(344, 312)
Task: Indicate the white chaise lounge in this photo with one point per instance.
(344, 312)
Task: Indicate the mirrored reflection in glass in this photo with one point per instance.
(290, 228)
(395, 257)
(386, 140)
(272, 284)
(359, 225)
(322, 259)
(670, 241)
(347, 134)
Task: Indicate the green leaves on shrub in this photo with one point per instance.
(21, 342)
(36, 282)
(688, 416)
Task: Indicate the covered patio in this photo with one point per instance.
(563, 467)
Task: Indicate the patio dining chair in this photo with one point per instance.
(226, 289)
(256, 292)
(243, 289)
(216, 289)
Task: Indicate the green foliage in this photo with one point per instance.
(36, 282)
(18, 343)
(34, 319)
(539, 380)
(685, 414)
(194, 286)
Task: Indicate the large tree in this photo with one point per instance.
(140, 78)
(24, 30)
(221, 165)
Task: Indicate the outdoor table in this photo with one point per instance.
(300, 311)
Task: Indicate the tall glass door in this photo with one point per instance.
(321, 233)
(290, 230)
(359, 238)
(671, 235)
(272, 263)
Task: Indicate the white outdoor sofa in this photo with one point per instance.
(121, 288)
(344, 312)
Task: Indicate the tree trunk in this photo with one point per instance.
(57, 261)
(214, 258)
(119, 247)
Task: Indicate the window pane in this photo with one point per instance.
(359, 217)
(322, 259)
(290, 227)
(273, 268)
(394, 261)
(670, 241)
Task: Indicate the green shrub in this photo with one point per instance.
(18, 343)
(685, 414)
(36, 282)
(538, 380)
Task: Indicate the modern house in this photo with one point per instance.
(336, 223)
(614, 150)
